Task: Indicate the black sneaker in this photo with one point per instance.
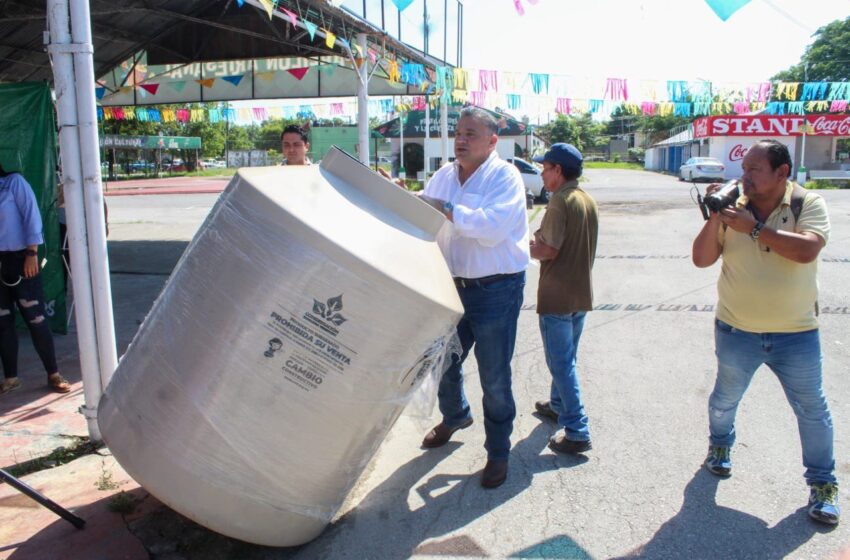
(544, 408)
(561, 444)
(718, 461)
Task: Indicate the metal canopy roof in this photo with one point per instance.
(176, 32)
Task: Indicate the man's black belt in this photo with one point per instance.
(483, 281)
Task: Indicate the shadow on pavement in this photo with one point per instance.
(156, 257)
(703, 529)
(451, 501)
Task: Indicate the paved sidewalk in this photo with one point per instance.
(166, 185)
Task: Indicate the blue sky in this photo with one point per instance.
(643, 39)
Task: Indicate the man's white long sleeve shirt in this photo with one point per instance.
(489, 234)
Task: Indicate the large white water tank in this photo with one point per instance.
(283, 348)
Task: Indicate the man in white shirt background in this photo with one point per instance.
(485, 245)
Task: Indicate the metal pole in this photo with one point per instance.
(401, 144)
(66, 114)
(363, 101)
(93, 188)
(444, 130)
(28, 490)
(427, 165)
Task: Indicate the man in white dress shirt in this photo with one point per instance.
(485, 245)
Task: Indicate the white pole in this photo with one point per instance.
(444, 130)
(363, 100)
(427, 164)
(93, 188)
(401, 143)
(66, 113)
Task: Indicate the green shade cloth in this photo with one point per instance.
(28, 145)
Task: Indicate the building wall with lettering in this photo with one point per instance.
(732, 149)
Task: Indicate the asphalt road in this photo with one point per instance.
(647, 367)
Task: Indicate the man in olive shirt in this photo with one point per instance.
(565, 245)
(767, 312)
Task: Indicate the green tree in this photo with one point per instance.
(562, 129)
(827, 59)
(239, 138)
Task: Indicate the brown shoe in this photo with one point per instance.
(10, 385)
(544, 408)
(561, 444)
(441, 434)
(495, 473)
(58, 384)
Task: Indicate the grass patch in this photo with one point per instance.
(827, 184)
(122, 503)
(61, 455)
(105, 481)
(614, 165)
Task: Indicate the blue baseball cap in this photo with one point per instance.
(565, 155)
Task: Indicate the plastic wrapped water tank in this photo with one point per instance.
(286, 343)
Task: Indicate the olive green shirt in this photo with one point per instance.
(571, 225)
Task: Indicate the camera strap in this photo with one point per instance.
(798, 197)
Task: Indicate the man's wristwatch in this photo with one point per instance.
(754, 235)
(448, 207)
(30, 253)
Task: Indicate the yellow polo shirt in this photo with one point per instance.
(762, 292)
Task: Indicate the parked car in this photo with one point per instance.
(213, 164)
(532, 179)
(702, 168)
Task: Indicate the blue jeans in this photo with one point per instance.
(795, 358)
(561, 334)
(490, 323)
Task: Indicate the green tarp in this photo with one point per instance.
(28, 145)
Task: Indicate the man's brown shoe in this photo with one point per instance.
(495, 473)
(561, 444)
(544, 408)
(440, 434)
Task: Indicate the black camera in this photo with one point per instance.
(720, 199)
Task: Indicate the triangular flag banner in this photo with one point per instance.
(178, 86)
(150, 88)
(346, 45)
(725, 8)
(299, 72)
(207, 83)
(292, 17)
(269, 6)
(519, 8)
(330, 39)
(99, 92)
(233, 79)
(311, 29)
(240, 2)
(403, 4)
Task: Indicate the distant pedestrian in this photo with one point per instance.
(767, 312)
(565, 244)
(20, 282)
(294, 145)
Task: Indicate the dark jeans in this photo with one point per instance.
(489, 322)
(28, 295)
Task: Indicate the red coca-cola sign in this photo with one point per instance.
(772, 125)
(737, 152)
